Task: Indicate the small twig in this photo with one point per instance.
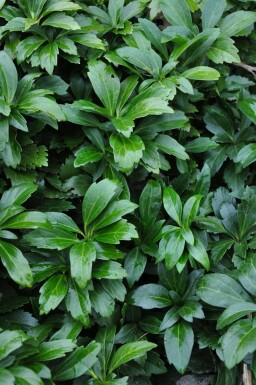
(247, 375)
(247, 67)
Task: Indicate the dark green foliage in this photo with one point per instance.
(128, 195)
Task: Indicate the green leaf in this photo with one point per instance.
(61, 6)
(198, 252)
(234, 312)
(153, 101)
(52, 350)
(102, 302)
(199, 145)
(238, 341)
(6, 377)
(172, 204)
(247, 274)
(105, 84)
(170, 318)
(212, 12)
(16, 265)
(106, 338)
(148, 61)
(191, 309)
(61, 20)
(82, 255)
(51, 239)
(201, 73)
(150, 202)
(97, 198)
(78, 363)
(174, 249)
(171, 146)
(177, 12)
(128, 352)
(8, 77)
(127, 151)
(4, 133)
(4, 108)
(78, 303)
(179, 341)
(27, 220)
(52, 293)
(17, 195)
(247, 154)
(119, 231)
(248, 107)
(190, 209)
(108, 270)
(154, 34)
(28, 45)
(10, 340)
(237, 21)
(134, 264)
(114, 10)
(124, 125)
(223, 50)
(113, 213)
(221, 290)
(151, 296)
(25, 376)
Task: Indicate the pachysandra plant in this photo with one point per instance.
(128, 194)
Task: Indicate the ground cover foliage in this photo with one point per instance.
(128, 197)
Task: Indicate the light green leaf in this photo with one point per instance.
(237, 21)
(78, 363)
(82, 255)
(52, 293)
(52, 350)
(234, 312)
(108, 270)
(97, 198)
(6, 376)
(151, 296)
(60, 6)
(174, 249)
(78, 303)
(248, 107)
(212, 12)
(247, 154)
(179, 341)
(148, 61)
(51, 239)
(128, 352)
(88, 154)
(8, 77)
(16, 264)
(27, 220)
(119, 231)
(10, 340)
(28, 45)
(172, 204)
(177, 12)
(25, 376)
(124, 125)
(198, 252)
(170, 318)
(221, 290)
(127, 151)
(223, 51)
(238, 341)
(17, 195)
(134, 264)
(105, 84)
(201, 73)
(170, 146)
(4, 133)
(61, 20)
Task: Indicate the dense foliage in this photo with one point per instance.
(128, 206)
